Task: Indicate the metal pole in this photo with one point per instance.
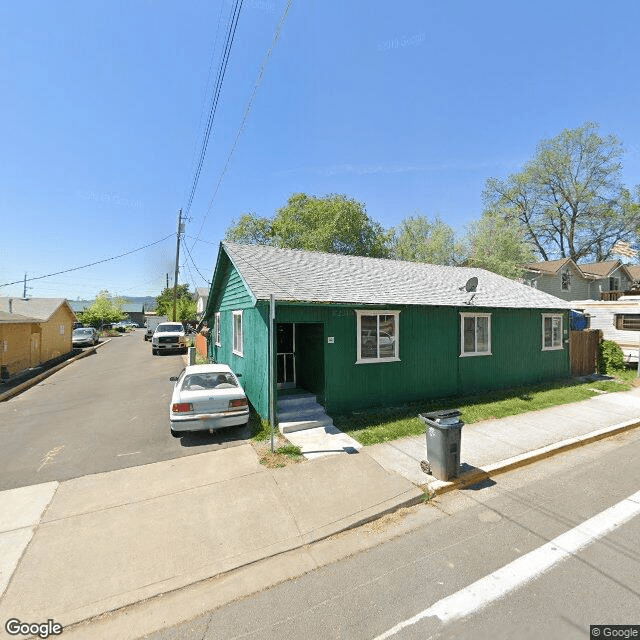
(175, 279)
(272, 385)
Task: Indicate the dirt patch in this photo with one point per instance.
(284, 453)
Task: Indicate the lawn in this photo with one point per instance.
(386, 424)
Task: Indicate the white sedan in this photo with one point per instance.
(207, 397)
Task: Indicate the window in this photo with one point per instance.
(238, 341)
(565, 280)
(627, 322)
(216, 329)
(475, 334)
(551, 332)
(61, 329)
(614, 284)
(377, 336)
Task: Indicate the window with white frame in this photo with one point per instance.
(565, 280)
(216, 329)
(551, 331)
(378, 336)
(475, 334)
(238, 339)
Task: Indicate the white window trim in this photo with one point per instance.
(233, 333)
(216, 329)
(553, 315)
(471, 354)
(377, 312)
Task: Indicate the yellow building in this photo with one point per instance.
(32, 331)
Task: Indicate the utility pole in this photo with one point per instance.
(24, 291)
(167, 280)
(175, 279)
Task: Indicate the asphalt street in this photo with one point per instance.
(104, 412)
(479, 531)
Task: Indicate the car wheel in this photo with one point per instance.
(176, 434)
(154, 352)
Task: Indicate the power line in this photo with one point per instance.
(231, 32)
(84, 266)
(184, 244)
(265, 60)
(206, 93)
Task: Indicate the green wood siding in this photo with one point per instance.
(254, 363)
(429, 344)
(430, 364)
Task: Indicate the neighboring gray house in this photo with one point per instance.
(570, 281)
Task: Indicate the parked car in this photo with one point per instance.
(169, 336)
(84, 337)
(207, 397)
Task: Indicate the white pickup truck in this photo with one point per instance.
(169, 336)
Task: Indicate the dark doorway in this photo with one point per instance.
(310, 357)
(285, 349)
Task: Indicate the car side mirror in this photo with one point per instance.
(173, 378)
(238, 375)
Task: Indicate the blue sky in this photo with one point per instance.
(408, 107)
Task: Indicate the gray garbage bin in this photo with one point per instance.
(444, 431)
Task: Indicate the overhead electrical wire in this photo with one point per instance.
(184, 244)
(231, 31)
(265, 60)
(91, 264)
(205, 94)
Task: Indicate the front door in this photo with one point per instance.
(35, 349)
(286, 361)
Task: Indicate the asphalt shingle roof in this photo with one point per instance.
(12, 318)
(600, 269)
(39, 308)
(309, 276)
(548, 266)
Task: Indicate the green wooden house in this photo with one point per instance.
(359, 332)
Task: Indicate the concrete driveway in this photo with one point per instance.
(104, 412)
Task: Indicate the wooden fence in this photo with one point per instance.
(584, 349)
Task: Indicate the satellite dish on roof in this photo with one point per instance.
(472, 285)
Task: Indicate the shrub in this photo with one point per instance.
(611, 358)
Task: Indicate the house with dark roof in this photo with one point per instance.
(358, 332)
(570, 281)
(32, 331)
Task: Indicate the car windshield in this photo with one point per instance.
(170, 327)
(82, 332)
(213, 380)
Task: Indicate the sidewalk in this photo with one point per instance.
(71, 551)
(505, 442)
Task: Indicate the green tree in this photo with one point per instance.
(419, 240)
(333, 223)
(568, 198)
(497, 245)
(106, 309)
(185, 304)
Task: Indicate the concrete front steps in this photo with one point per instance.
(304, 422)
(301, 411)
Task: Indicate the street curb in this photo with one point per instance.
(7, 395)
(439, 487)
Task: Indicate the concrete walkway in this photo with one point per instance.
(492, 442)
(71, 551)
